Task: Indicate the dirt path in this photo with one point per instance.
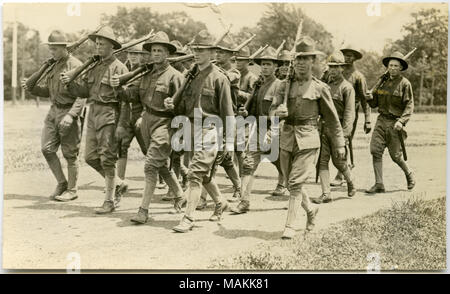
(39, 234)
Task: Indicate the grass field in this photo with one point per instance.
(409, 236)
(23, 125)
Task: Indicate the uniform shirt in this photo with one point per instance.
(265, 96)
(395, 97)
(96, 83)
(343, 96)
(159, 84)
(131, 112)
(246, 86)
(234, 76)
(56, 91)
(306, 101)
(358, 81)
(210, 92)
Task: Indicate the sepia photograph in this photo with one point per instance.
(260, 136)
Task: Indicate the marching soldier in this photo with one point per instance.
(282, 71)
(130, 126)
(101, 139)
(358, 81)
(393, 96)
(162, 82)
(224, 53)
(259, 105)
(208, 94)
(61, 126)
(307, 98)
(343, 97)
(248, 79)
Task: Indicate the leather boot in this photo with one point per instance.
(377, 188)
(141, 217)
(107, 207)
(218, 211)
(242, 207)
(71, 192)
(324, 198)
(410, 179)
(294, 205)
(351, 190)
(59, 190)
(186, 224)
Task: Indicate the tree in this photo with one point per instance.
(137, 22)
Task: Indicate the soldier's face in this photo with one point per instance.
(202, 55)
(284, 68)
(303, 64)
(57, 51)
(394, 67)
(159, 53)
(223, 56)
(103, 46)
(268, 67)
(145, 58)
(241, 64)
(349, 57)
(335, 71)
(133, 58)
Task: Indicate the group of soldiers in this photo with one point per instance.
(211, 77)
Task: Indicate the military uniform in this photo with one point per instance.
(209, 96)
(299, 137)
(394, 98)
(101, 143)
(343, 96)
(53, 135)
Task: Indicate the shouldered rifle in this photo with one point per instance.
(280, 47)
(257, 52)
(191, 74)
(51, 62)
(291, 63)
(84, 69)
(245, 43)
(223, 35)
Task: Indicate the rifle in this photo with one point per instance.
(50, 63)
(291, 63)
(402, 144)
(257, 52)
(222, 36)
(280, 47)
(83, 69)
(245, 43)
(191, 74)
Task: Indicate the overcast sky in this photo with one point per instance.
(354, 23)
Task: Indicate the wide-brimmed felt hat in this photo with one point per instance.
(285, 55)
(57, 37)
(203, 40)
(243, 54)
(227, 44)
(306, 47)
(397, 56)
(107, 33)
(269, 53)
(137, 49)
(337, 58)
(180, 51)
(355, 52)
(160, 38)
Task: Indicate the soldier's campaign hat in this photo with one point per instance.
(107, 33)
(306, 47)
(160, 38)
(337, 58)
(57, 37)
(397, 56)
(243, 54)
(285, 55)
(269, 53)
(137, 49)
(180, 51)
(203, 40)
(355, 52)
(227, 44)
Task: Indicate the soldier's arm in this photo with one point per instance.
(331, 118)
(40, 91)
(79, 89)
(225, 102)
(363, 96)
(349, 111)
(278, 98)
(125, 114)
(409, 100)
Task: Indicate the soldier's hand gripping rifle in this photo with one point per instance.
(290, 72)
(190, 75)
(48, 65)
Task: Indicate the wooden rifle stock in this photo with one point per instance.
(37, 76)
(245, 43)
(191, 74)
(77, 71)
(291, 63)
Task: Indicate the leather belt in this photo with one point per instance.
(158, 113)
(301, 122)
(63, 106)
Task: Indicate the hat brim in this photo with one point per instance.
(312, 53)
(402, 62)
(137, 51)
(226, 49)
(336, 63)
(171, 47)
(242, 57)
(260, 59)
(116, 45)
(355, 53)
(202, 46)
(57, 43)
